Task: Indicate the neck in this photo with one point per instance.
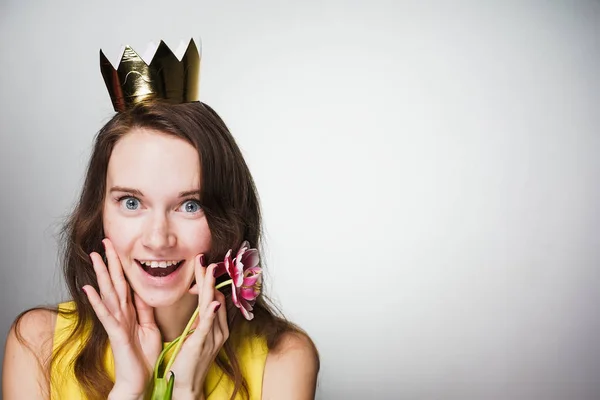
(171, 320)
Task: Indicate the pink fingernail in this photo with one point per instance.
(84, 290)
(217, 307)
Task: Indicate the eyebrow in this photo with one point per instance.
(139, 193)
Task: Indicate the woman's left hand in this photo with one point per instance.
(200, 349)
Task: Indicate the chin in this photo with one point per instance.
(158, 290)
(161, 298)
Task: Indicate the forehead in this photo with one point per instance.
(153, 162)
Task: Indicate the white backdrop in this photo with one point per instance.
(428, 173)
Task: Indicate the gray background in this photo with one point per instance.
(428, 172)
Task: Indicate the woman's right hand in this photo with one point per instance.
(134, 337)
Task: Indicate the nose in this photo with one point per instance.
(157, 234)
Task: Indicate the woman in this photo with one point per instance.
(167, 194)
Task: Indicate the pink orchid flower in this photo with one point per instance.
(246, 278)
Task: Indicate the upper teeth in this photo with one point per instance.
(158, 264)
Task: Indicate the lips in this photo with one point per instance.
(159, 272)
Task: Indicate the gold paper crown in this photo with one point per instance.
(166, 77)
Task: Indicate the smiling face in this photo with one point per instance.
(152, 213)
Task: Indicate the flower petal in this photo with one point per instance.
(246, 309)
(234, 271)
(234, 295)
(238, 277)
(228, 263)
(250, 259)
(249, 293)
(248, 305)
(247, 314)
(252, 280)
(243, 247)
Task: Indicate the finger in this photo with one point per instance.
(145, 313)
(200, 273)
(102, 312)
(219, 335)
(195, 288)
(222, 315)
(116, 272)
(201, 334)
(208, 287)
(105, 284)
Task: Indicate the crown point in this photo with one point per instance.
(148, 55)
(160, 74)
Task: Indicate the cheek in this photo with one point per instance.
(121, 231)
(195, 236)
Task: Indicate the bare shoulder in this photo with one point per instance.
(28, 347)
(291, 368)
(35, 328)
(294, 342)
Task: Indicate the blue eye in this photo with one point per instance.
(130, 203)
(191, 206)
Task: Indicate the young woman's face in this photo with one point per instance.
(152, 214)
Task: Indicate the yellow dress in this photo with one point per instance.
(251, 356)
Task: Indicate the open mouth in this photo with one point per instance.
(159, 271)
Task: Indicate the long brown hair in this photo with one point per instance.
(231, 205)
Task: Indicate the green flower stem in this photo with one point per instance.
(162, 355)
(225, 283)
(163, 386)
(180, 342)
(186, 331)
